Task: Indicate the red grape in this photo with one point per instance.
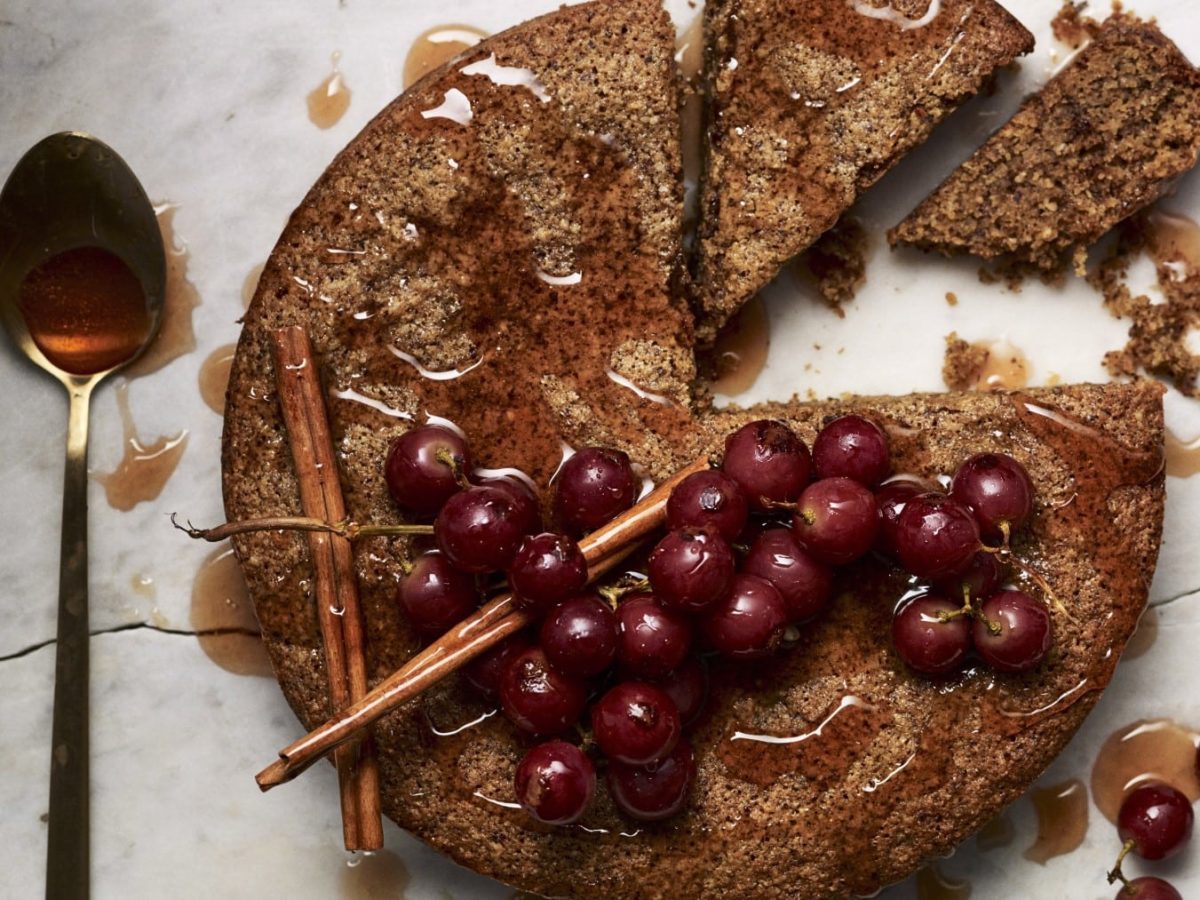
(1024, 639)
(435, 596)
(1149, 888)
(528, 509)
(836, 520)
(926, 643)
(768, 462)
(709, 498)
(657, 791)
(805, 582)
(935, 536)
(555, 782)
(485, 672)
(635, 723)
(416, 478)
(891, 498)
(688, 687)
(580, 636)
(1157, 818)
(749, 621)
(539, 699)
(547, 568)
(980, 578)
(852, 447)
(690, 569)
(653, 639)
(592, 488)
(997, 489)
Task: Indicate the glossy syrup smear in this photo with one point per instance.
(330, 99)
(146, 467)
(223, 617)
(85, 310)
(176, 336)
(933, 884)
(1062, 812)
(436, 46)
(1183, 457)
(1145, 636)
(1006, 367)
(740, 352)
(373, 876)
(214, 377)
(999, 832)
(1149, 750)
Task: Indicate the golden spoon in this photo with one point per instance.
(82, 279)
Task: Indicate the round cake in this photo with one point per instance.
(501, 248)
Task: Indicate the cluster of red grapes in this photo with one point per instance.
(1155, 821)
(792, 516)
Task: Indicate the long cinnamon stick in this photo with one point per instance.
(336, 586)
(495, 621)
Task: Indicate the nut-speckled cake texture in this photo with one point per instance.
(1104, 139)
(454, 246)
(809, 105)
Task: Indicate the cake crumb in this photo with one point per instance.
(951, 298)
(1159, 333)
(1071, 27)
(964, 363)
(837, 263)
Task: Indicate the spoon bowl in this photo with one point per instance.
(82, 286)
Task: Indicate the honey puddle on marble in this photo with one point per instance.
(436, 46)
(997, 833)
(176, 336)
(378, 875)
(932, 884)
(145, 468)
(1149, 750)
(330, 99)
(1183, 457)
(1176, 239)
(223, 617)
(1062, 812)
(214, 377)
(740, 352)
(1145, 635)
(1006, 368)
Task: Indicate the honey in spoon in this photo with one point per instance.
(85, 310)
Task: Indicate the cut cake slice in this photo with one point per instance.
(810, 104)
(1104, 139)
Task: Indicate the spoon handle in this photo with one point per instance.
(68, 861)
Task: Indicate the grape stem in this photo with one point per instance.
(1116, 874)
(347, 529)
(448, 459)
(626, 584)
(1005, 552)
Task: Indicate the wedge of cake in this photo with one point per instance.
(810, 104)
(497, 248)
(1104, 139)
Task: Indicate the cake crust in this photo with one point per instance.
(1104, 139)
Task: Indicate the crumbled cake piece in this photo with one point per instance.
(964, 363)
(1071, 27)
(1105, 138)
(1162, 333)
(837, 262)
(810, 104)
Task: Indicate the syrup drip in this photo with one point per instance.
(740, 352)
(145, 468)
(250, 285)
(1006, 368)
(437, 46)
(823, 754)
(1145, 636)
(997, 833)
(176, 336)
(330, 99)
(85, 310)
(1151, 750)
(142, 585)
(1183, 457)
(1176, 239)
(690, 57)
(223, 617)
(932, 884)
(214, 377)
(374, 875)
(1062, 812)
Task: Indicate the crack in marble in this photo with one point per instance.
(1158, 604)
(136, 626)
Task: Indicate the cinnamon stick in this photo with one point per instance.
(495, 621)
(336, 586)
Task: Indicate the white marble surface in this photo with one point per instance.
(206, 102)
